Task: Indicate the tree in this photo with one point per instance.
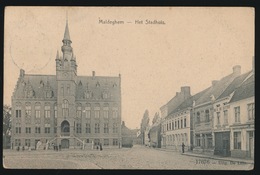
(155, 118)
(6, 125)
(144, 124)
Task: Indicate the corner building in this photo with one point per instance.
(66, 109)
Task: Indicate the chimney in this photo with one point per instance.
(185, 90)
(177, 93)
(22, 72)
(93, 73)
(214, 82)
(237, 70)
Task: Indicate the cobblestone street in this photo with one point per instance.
(127, 158)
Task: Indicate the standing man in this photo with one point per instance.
(183, 146)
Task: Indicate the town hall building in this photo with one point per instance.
(66, 109)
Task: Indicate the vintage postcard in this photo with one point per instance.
(129, 88)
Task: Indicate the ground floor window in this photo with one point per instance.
(106, 142)
(198, 140)
(96, 141)
(27, 130)
(27, 142)
(37, 130)
(17, 142)
(47, 130)
(78, 128)
(237, 140)
(115, 142)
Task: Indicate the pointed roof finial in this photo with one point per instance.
(67, 33)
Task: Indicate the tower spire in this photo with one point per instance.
(67, 33)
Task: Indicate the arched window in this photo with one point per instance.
(106, 110)
(79, 110)
(88, 110)
(97, 110)
(65, 108)
(37, 110)
(37, 113)
(115, 111)
(47, 110)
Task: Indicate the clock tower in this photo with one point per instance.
(66, 76)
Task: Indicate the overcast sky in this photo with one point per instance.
(194, 47)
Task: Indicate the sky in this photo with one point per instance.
(195, 46)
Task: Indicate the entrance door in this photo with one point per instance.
(226, 147)
(65, 143)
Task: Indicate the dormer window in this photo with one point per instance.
(97, 85)
(49, 94)
(88, 94)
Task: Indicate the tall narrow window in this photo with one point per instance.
(65, 108)
(47, 111)
(237, 140)
(97, 111)
(207, 115)
(251, 111)
(97, 128)
(181, 123)
(78, 128)
(28, 113)
(105, 127)
(225, 117)
(79, 112)
(115, 128)
(47, 128)
(185, 124)
(115, 111)
(88, 130)
(88, 110)
(106, 111)
(237, 114)
(37, 113)
(218, 118)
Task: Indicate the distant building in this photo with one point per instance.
(168, 108)
(66, 109)
(180, 125)
(155, 134)
(129, 136)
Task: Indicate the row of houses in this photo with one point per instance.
(218, 120)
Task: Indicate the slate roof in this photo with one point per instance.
(216, 89)
(189, 102)
(38, 83)
(234, 85)
(246, 90)
(96, 85)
